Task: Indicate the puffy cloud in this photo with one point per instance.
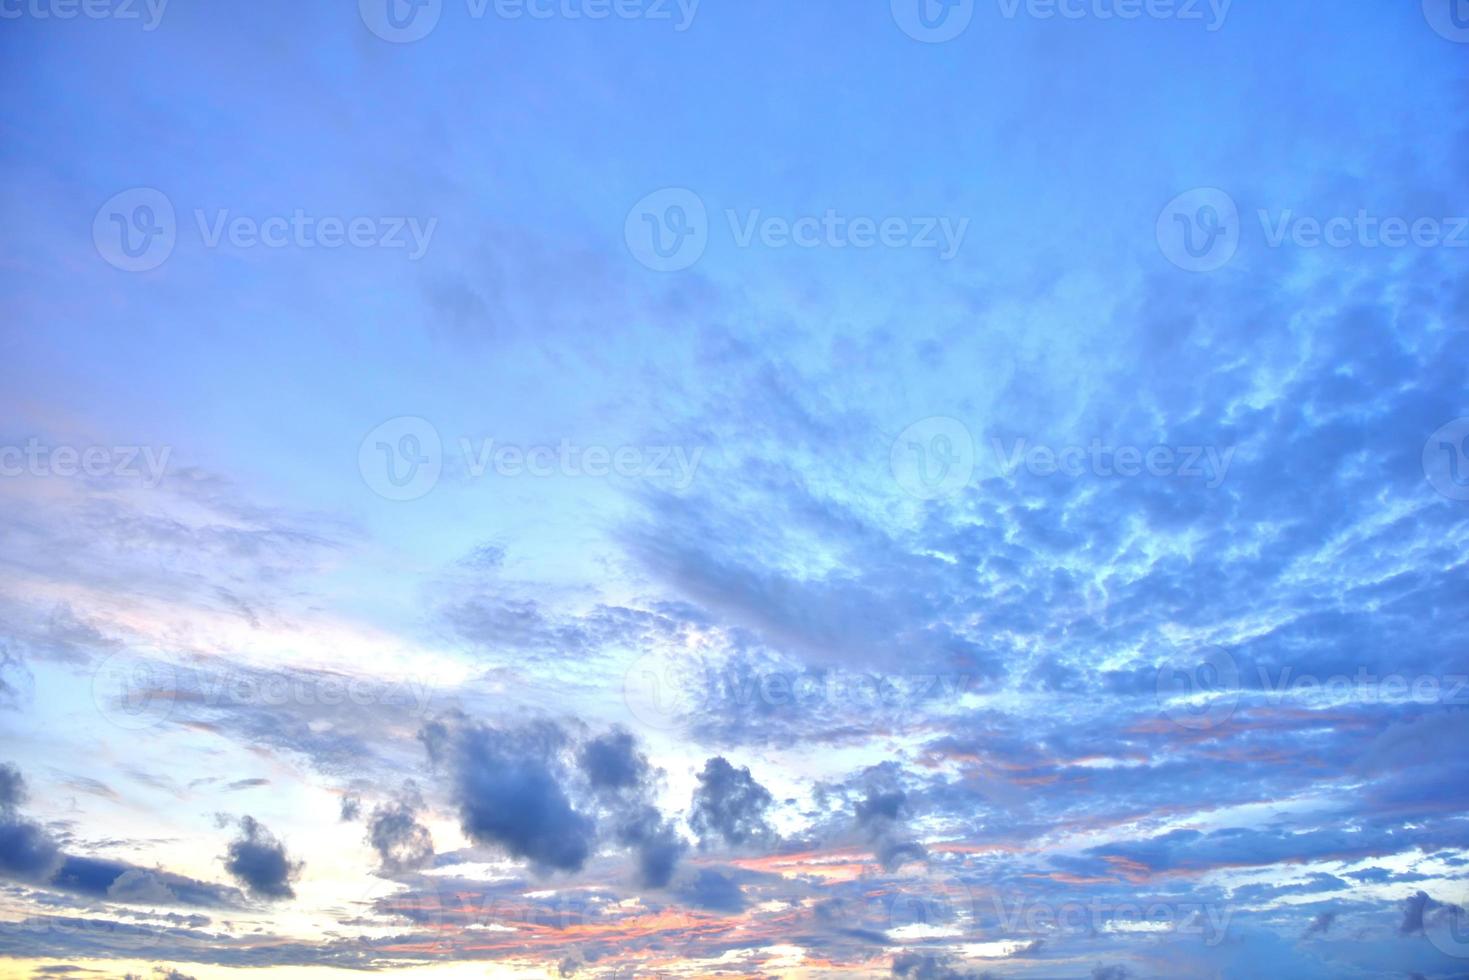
(393, 830)
(258, 860)
(730, 806)
(510, 790)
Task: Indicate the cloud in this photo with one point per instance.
(729, 805)
(259, 861)
(509, 788)
(1320, 925)
(351, 808)
(393, 830)
(919, 966)
(710, 889)
(12, 788)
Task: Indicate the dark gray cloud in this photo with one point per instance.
(393, 830)
(258, 860)
(510, 790)
(730, 806)
(712, 890)
(921, 966)
(1320, 925)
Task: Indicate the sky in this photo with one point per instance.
(651, 488)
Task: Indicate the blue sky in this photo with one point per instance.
(734, 489)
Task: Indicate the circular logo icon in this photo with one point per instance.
(668, 230)
(1447, 928)
(133, 692)
(402, 458)
(400, 21)
(933, 457)
(1446, 460)
(1199, 689)
(932, 899)
(1450, 18)
(1199, 230)
(933, 21)
(659, 694)
(135, 230)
